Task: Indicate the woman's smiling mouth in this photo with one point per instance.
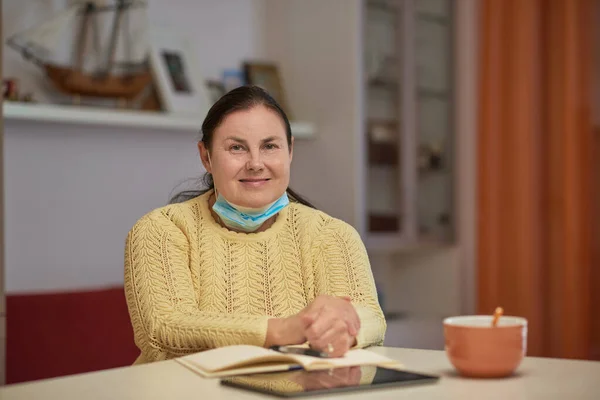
(254, 182)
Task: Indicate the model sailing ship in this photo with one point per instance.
(117, 68)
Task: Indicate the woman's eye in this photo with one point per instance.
(271, 146)
(236, 147)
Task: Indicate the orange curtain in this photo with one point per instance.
(534, 161)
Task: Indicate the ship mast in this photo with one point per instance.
(85, 22)
(121, 6)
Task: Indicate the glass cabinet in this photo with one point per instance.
(408, 121)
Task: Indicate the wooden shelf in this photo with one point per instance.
(35, 112)
(384, 83)
(383, 5)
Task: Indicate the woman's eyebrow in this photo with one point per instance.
(270, 139)
(236, 139)
(243, 141)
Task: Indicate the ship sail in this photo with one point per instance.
(106, 48)
(131, 47)
(46, 42)
(41, 42)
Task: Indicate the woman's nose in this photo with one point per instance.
(254, 163)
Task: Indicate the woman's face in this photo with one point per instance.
(249, 157)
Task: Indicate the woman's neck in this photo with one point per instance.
(266, 225)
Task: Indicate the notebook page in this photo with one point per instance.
(351, 358)
(249, 369)
(235, 356)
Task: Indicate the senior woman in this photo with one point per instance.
(247, 261)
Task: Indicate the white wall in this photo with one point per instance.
(321, 63)
(225, 32)
(73, 192)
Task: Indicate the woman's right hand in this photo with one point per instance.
(288, 331)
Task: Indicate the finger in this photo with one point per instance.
(340, 345)
(352, 329)
(322, 323)
(314, 308)
(352, 316)
(353, 342)
(323, 341)
(342, 308)
(338, 337)
(313, 313)
(307, 320)
(347, 298)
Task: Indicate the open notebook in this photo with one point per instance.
(246, 359)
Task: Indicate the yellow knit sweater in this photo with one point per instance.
(193, 285)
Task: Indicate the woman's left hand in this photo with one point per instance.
(335, 325)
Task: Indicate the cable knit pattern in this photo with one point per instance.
(193, 285)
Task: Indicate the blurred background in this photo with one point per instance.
(461, 138)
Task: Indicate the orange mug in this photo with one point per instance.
(477, 349)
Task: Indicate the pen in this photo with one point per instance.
(300, 350)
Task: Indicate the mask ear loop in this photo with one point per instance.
(210, 164)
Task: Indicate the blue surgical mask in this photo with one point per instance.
(244, 218)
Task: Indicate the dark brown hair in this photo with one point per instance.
(241, 98)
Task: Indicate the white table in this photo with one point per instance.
(537, 378)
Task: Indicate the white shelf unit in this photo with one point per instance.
(15, 111)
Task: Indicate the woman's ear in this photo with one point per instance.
(292, 149)
(205, 157)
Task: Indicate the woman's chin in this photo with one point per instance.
(253, 197)
(254, 200)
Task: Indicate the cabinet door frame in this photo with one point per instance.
(2, 291)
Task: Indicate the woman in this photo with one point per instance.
(248, 261)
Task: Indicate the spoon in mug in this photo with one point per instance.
(497, 314)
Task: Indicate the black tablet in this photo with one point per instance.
(307, 383)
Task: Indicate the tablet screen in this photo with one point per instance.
(304, 383)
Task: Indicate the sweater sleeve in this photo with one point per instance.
(342, 268)
(162, 300)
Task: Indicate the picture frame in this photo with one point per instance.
(267, 76)
(233, 78)
(177, 74)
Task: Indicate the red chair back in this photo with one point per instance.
(57, 334)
